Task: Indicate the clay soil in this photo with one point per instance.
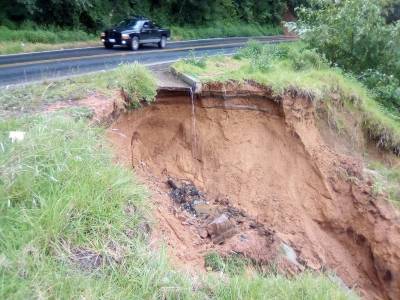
(260, 162)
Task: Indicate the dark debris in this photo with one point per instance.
(186, 195)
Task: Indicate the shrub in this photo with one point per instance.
(306, 59)
(260, 55)
(193, 60)
(386, 88)
(253, 48)
(137, 84)
(353, 34)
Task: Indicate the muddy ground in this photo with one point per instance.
(247, 173)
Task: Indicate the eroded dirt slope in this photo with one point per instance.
(262, 158)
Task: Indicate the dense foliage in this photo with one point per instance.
(361, 36)
(94, 14)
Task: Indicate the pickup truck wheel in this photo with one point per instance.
(163, 42)
(134, 43)
(108, 45)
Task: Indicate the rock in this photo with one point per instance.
(203, 233)
(172, 184)
(220, 229)
(290, 253)
(202, 209)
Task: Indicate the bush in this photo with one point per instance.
(260, 55)
(306, 59)
(253, 48)
(193, 60)
(386, 88)
(137, 84)
(353, 34)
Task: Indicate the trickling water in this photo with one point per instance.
(194, 135)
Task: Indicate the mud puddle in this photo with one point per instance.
(262, 184)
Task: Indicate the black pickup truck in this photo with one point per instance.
(135, 31)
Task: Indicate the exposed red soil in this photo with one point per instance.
(263, 156)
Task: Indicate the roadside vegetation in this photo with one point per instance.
(387, 180)
(137, 84)
(26, 27)
(73, 224)
(26, 99)
(31, 38)
(134, 80)
(220, 30)
(360, 37)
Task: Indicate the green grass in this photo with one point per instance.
(31, 38)
(291, 67)
(31, 97)
(34, 38)
(43, 35)
(21, 47)
(232, 264)
(277, 287)
(223, 30)
(61, 193)
(137, 83)
(387, 180)
(135, 79)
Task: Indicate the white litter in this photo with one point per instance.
(16, 136)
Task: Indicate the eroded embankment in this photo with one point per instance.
(263, 165)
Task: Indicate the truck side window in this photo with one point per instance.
(146, 25)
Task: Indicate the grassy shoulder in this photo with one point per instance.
(31, 39)
(135, 81)
(220, 30)
(72, 226)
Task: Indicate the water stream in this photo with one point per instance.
(194, 134)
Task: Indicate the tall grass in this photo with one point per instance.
(50, 35)
(137, 83)
(61, 194)
(31, 38)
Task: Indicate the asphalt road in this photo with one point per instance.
(24, 68)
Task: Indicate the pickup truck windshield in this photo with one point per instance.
(134, 24)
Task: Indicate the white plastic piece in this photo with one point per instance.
(16, 136)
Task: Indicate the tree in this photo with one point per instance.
(352, 34)
(355, 35)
